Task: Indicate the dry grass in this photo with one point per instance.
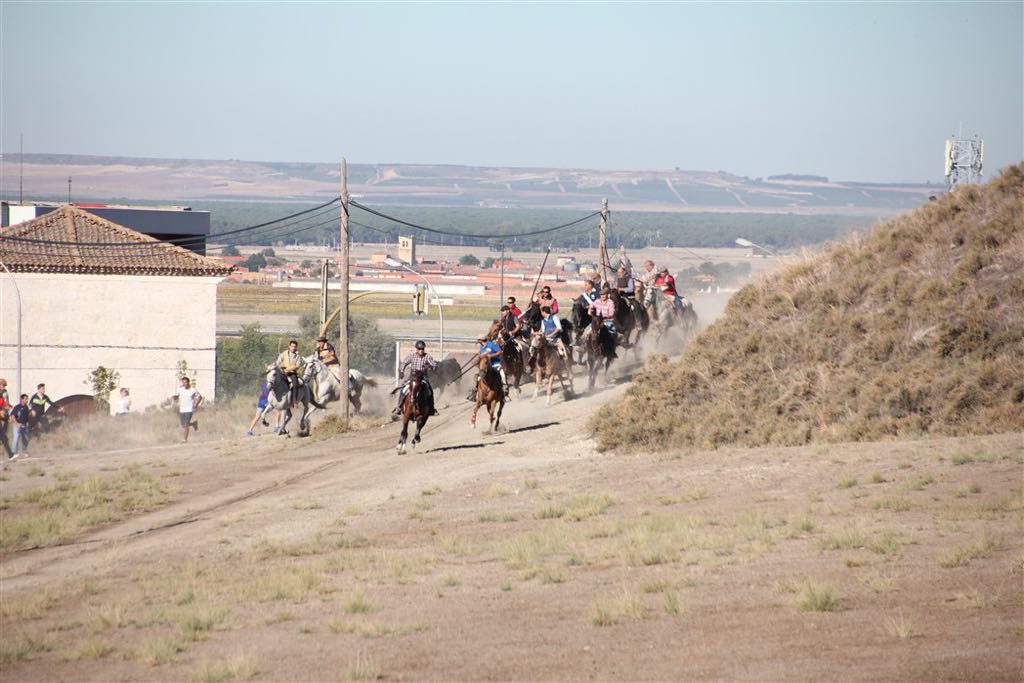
(916, 329)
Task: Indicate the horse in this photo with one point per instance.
(415, 406)
(278, 399)
(629, 316)
(489, 392)
(448, 372)
(548, 365)
(327, 385)
(580, 317)
(512, 360)
(665, 315)
(598, 345)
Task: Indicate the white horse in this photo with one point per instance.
(277, 399)
(326, 383)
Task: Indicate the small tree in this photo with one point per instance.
(230, 250)
(469, 260)
(182, 370)
(268, 252)
(489, 262)
(103, 381)
(255, 262)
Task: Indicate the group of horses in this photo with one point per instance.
(528, 353)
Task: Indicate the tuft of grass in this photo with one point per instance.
(158, 650)
(892, 504)
(363, 668)
(35, 471)
(847, 483)
(817, 598)
(358, 604)
(600, 615)
(93, 648)
(632, 605)
(961, 459)
(899, 626)
(197, 622)
(877, 478)
(964, 555)
(974, 599)
(550, 512)
(531, 484)
(670, 603)
(241, 668)
(582, 507)
(21, 647)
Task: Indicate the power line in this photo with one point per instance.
(454, 233)
(176, 240)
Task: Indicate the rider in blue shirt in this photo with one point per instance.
(490, 350)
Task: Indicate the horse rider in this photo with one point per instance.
(551, 327)
(417, 361)
(605, 308)
(325, 352)
(291, 362)
(511, 303)
(492, 352)
(667, 283)
(646, 281)
(546, 299)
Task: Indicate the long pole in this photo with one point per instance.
(17, 298)
(501, 286)
(440, 308)
(602, 241)
(323, 294)
(343, 304)
(541, 273)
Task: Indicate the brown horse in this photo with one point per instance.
(547, 365)
(415, 406)
(490, 393)
(598, 345)
(512, 360)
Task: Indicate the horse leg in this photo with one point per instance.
(472, 418)
(404, 435)
(551, 382)
(536, 383)
(419, 426)
(497, 418)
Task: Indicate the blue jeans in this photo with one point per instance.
(21, 436)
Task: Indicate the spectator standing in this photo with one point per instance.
(3, 392)
(124, 403)
(5, 418)
(188, 399)
(40, 402)
(21, 414)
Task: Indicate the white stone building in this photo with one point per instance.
(93, 293)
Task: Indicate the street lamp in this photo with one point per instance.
(395, 263)
(747, 243)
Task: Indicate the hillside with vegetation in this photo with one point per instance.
(916, 329)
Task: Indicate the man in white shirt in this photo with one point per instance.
(188, 400)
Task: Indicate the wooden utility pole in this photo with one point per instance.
(324, 272)
(343, 304)
(602, 241)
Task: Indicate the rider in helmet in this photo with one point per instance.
(418, 360)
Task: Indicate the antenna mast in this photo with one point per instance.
(964, 161)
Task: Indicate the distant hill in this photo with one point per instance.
(184, 180)
(916, 329)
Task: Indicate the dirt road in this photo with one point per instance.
(526, 555)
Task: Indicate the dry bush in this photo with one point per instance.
(916, 329)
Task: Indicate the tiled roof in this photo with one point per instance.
(68, 232)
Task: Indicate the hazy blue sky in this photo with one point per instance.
(859, 91)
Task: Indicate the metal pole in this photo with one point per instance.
(343, 314)
(323, 295)
(440, 308)
(540, 274)
(501, 287)
(17, 357)
(602, 239)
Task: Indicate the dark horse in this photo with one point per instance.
(512, 360)
(415, 406)
(629, 317)
(598, 345)
(490, 393)
(580, 322)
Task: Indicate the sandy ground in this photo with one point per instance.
(526, 555)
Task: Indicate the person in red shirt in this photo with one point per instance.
(545, 299)
(511, 303)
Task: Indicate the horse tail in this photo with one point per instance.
(370, 382)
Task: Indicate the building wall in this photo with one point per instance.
(141, 326)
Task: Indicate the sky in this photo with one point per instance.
(853, 91)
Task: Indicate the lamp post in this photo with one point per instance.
(395, 263)
(747, 243)
(17, 297)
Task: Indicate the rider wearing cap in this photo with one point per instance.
(325, 352)
(490, 350)
(417, 361)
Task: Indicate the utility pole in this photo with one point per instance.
(343, 304)
(501, 286)
(602, 241)
(323, 295)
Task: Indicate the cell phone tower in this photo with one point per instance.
(964, 160)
